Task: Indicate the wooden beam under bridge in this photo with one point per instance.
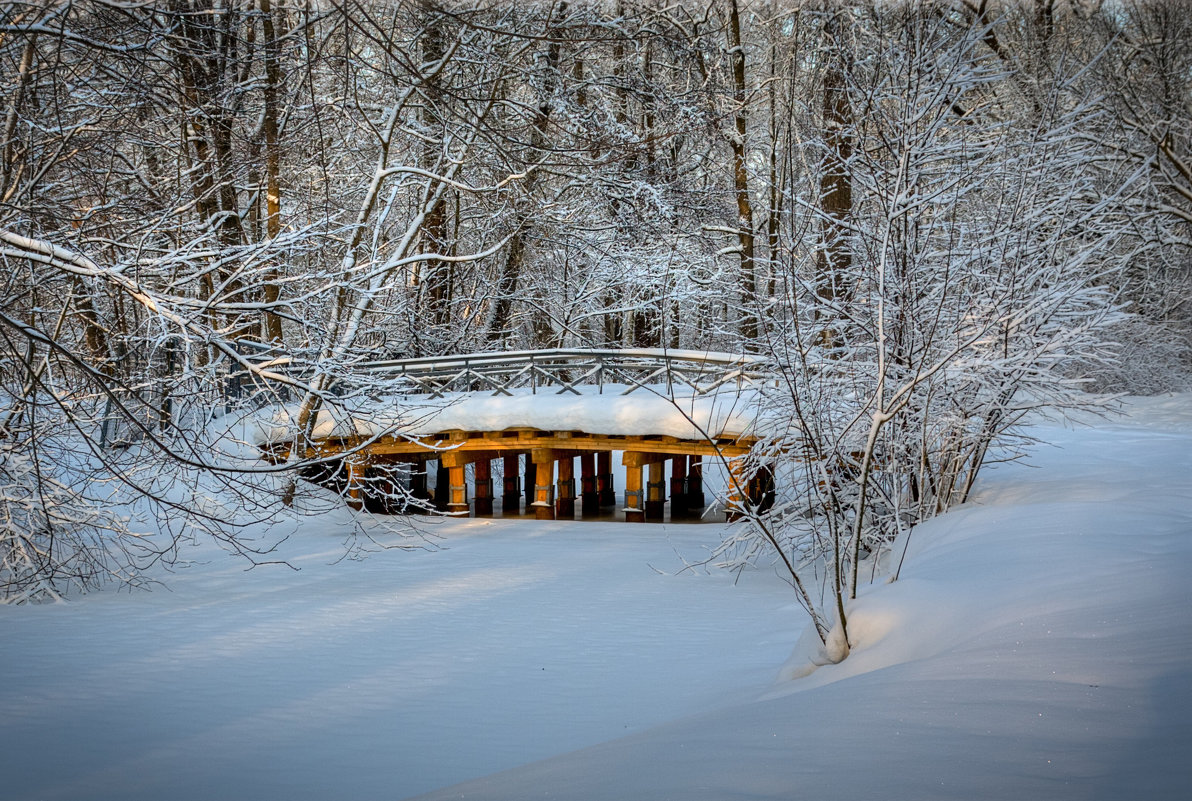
(501, 442)
(549, 452)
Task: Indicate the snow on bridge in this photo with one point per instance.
(537, 412)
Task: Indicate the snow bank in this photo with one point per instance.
(1038, 646)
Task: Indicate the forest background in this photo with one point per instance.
(931, 220)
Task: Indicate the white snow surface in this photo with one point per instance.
(1037, 646)
(643, 412)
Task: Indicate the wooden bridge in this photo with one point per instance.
(535, 413)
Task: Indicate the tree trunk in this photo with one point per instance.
(834, 258)
(273, 331)
(437, 274)
(748, 326)
(499, 326)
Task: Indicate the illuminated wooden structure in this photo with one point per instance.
(551, 485)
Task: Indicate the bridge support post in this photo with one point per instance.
(635, 502)
(354, 467)
(606, 494)
(482, 488)
(565, 499)
(762, 490)
(695, 484)
(656, 491)
(387, 495)
(678, 487)
(589, 500)
(511, 485)
(442, 486)
(737, 491)
(530, 480)
(457, 503)
(544, 486)
(418, 490)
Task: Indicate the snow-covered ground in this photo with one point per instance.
(1037, 646)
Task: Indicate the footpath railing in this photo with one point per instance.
(562, 370)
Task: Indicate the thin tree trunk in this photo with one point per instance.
(836, 192)
(8, 171)
(499, 326)
(273, 330)
(749, 321)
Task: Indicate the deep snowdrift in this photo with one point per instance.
(1039, 645)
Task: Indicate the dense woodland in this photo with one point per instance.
(930, 218)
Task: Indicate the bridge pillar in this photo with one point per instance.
(695, 484)
(442, 486)
(418, 490)
(678, 487)
(656, 491)
(530, 480)
(590, 500)
(565, 498)
(762, 490)
(635, 502)
(482, 488)
(606, 494)
(737, 491)
(457, 503)
(544, 486)
(385, 495)
(354, 467)
(511, 485)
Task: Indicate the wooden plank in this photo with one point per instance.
(553, 454)
(459, 458)
(639, 459)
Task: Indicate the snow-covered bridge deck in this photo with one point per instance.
(537, 412)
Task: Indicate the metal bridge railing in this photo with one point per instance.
(563, 370)
(558, 370)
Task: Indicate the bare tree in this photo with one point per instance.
(971, 285)
(208, 204)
